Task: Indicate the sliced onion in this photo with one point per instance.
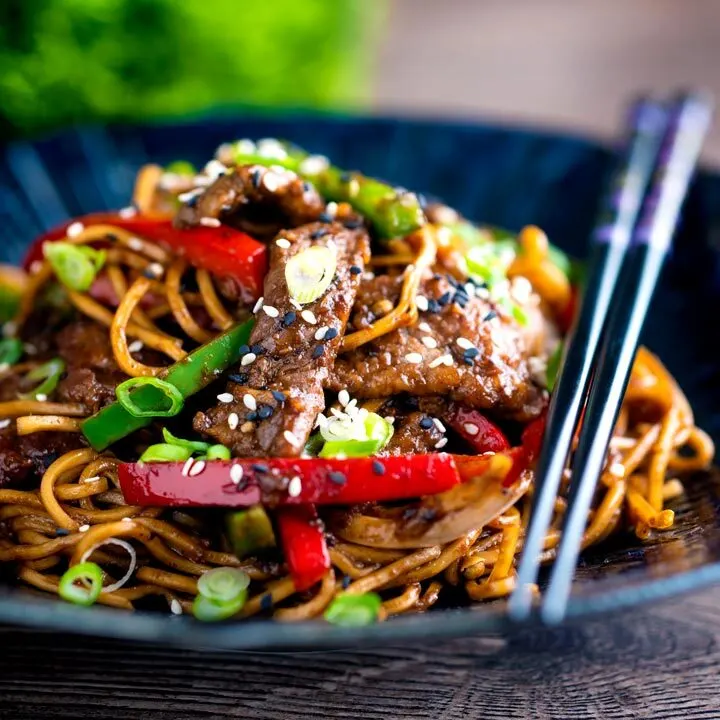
(131, 568)
(309, 273)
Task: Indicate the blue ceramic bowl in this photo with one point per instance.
(504, 176)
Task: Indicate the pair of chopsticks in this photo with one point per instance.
(628, 248)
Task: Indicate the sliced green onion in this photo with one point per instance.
(375, 433)
(314, 445)
(223, 584)
(207, 610)
(218, 452)
(164, 452)
(553, 366)
(174, 397)
(75, 265)
(309, 273)
(181, 167)
(91, 577)
(250, 530)
(354, 610)
(11, 350)
(195, 446)
(50, 373)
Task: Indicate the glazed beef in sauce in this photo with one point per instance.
(278, 395)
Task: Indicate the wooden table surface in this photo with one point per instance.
(658, 662)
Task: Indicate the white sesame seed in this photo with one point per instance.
(233, 421)
(41, 397)
(343, 397)
(189, 195)
(424, 327)
(623, 443)
(258, 305)
(313, 165)
(155, 269)
(309, 317)
(74, 229)
(294, 487)
(482, 293)
(175, 607)
(283, 243)
(414, 358)
(447, 359)
(617, 469)
(203, 181)
(197, 468)
(187, 467)
(249, 401)
(331, 209)
(84, 528)
(135, 244)
(214, 168)
(247, 427)
(225, 397)
(521, 290)
(271, 311)
(236, 473)
(338, 413)
(471, 428)
(127, 520)
(245, 147)
(440, 360)
(271, 181)
(91, 479)
(464, 343)
(441, 443)
(5, 423)
(271, 148)
(389, 419)
(350, 405)
(136, 346)
(127, 212)
(210, 222)
(422, 303)
(291, 438)
(295, 304)
(429, 342)
(439, 425)
(320, 332)
(247, 359)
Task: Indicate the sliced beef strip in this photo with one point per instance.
(414, 433)
(255, 194)
(495, 378)
(291, 367)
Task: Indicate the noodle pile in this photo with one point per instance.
(78, 512)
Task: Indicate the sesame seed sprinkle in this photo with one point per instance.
(155, 269)
(247, 427)
(424, 327)
(91, 479)
(249, 401)
(318, 352)
(343, 397)
(135, 244)
(442, 360)
(136, 346)
(289, 318)
(471, 428)
(429, 342)
(271, 311)
(74, 229)
(617, 469)
(187, 467)
(197, 468)
(295, 304)
(335, 476)
(283, 243)
(414, 358)
(309, 317)
(439, 425)
(294, 487)
(41, 397)
(422, 303)
(464, 343)
(233, 421)
(378, 468)
(320, 332)
(175, 607)
(127, 212)
(225, 397)
(249, 358)
(5, 423)
(280, 397)
(313, 165)
(210, 222)
(84, 528)
(236, 473)
(258, 305)
(127, 519)
(441, 443)
(426, 423)
(291, 438)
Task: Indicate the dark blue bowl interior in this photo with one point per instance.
(499, 175)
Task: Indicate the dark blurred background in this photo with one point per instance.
(562, 63)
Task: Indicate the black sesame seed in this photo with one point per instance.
(315, 234)
(259, 467)
(352, 224)
(337, 477)
(452, 281)
(468, 360)
(240, 378)
(324, 217)
(426, 423)
(193, 201)
(264, 412)
(112, 237)
(378, 468)
(346, 582)
(471, 352)
(461, 299)
(492, 314)
(255, 177)
(150, 274)
(257, 349)
(355, 270)
(289, 318)
(428, 514)
(433, 306)
(409, 513)
(251, 416)
(61, 532)
(244, 349)
(330, 333)
(444, 299)
(266, 602)
(318, 351)
(280, 397)
(307, 187)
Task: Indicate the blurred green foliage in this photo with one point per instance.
(65, 61)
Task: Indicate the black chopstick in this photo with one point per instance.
(689, 122)
(609, 243)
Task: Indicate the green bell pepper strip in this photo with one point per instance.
(249, 531)
(189, 376)
(393, 212)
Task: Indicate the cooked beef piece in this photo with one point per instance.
(257, 195)
(293, 359)
(414, 433)
(24, 459)
(488, 370)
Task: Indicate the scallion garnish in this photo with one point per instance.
(164, 452)
(76, 266)
(218, 452)
(359, 436)
(124, 394)
(195, 446)
(222, 592)
(81, 584)
(181, 167)
(354, 610)
(11, 350)
(309, 273)
(50, 374)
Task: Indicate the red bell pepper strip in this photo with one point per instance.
(223, 251)
(566, 317)
(271, 481)
(304, 546)
(525, 455)
(482, 434)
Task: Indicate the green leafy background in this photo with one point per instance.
(68, 61)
